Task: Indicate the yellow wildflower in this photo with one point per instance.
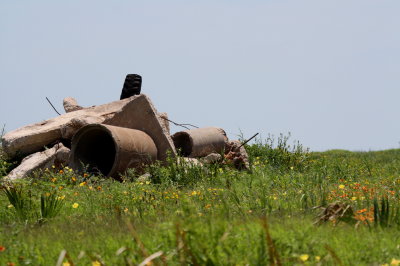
(96, 263)
(317, 258)
(395, 262)
(341, 186)
(304, 257)
(66, 263)
(353, 198)
(82, 184)
(73, 179)
(75, 205)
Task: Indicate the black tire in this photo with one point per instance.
(132, 86)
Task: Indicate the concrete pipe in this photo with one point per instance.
(111, 150)
(200, 142)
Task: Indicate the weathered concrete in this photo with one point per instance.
(200, 142)
(111, 150)
(164, 119)
(69, 129)
(211, 158)
(190, 161)
(40, 160)
(71, 105)
(136, 112)
(142, 115)
(235, 152)
(144, 178)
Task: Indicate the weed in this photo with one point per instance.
(279, 154)
(50, 205)
(21, 201)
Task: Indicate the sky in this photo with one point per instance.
(327, 72)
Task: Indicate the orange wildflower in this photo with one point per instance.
(362, 210)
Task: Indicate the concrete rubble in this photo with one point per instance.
(212, 158)
(237, 155)
(199, 146)
(56, 155)
(136, 112)
(71, 105)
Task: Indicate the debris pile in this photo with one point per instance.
(113, 137)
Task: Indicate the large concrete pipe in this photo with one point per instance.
(200, 141)
(111, 150)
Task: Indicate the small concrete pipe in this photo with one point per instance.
(200, 142)
(111, 150)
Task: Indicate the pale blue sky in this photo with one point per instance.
(326, 71)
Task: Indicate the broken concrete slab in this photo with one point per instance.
(190, 161)
(164, 119)
(212, 158)
(40, 160)
(136, 112)
(71, 105)
(144, 178)
(142, 115)
(34, 137)
(68, 130)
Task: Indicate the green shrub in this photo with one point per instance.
(279, 154)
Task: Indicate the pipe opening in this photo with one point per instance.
(182, 143)
(96, 150)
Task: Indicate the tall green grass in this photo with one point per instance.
(215, 215)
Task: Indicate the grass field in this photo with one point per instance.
(293, 207)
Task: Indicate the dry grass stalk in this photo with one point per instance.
(274, 258)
